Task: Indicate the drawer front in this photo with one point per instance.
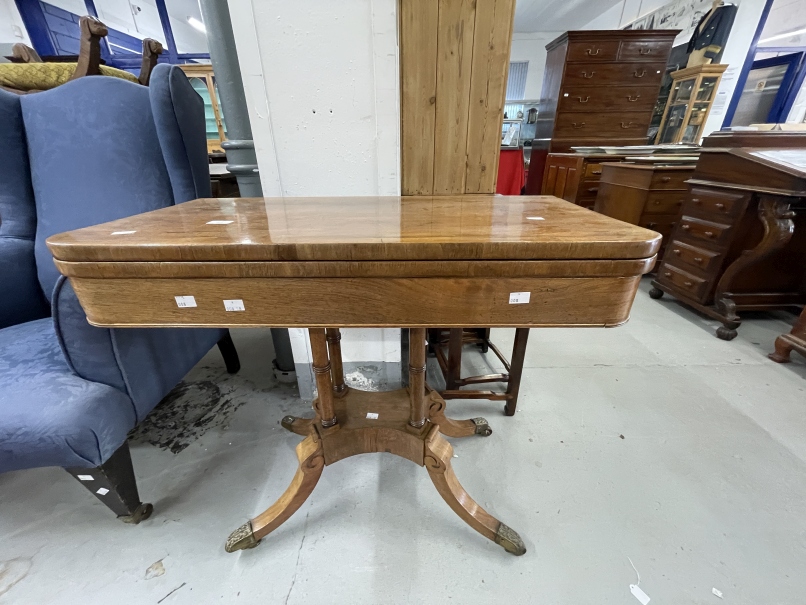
(662, 223)
(644, 50)
(613, 74)
(682, 280)
(706, 261)
(625, 98)
(705, 231)
(671, 180)
(600, 50)
(620, 125)
(593, 170)
(715, 203)
(664, 202)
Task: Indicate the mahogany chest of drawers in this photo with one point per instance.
(575, 176)
(600, 87)
(647, 195)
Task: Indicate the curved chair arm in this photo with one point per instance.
(25, 54)
(152, 49)
(89, 54)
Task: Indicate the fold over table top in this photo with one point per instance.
(473, 228)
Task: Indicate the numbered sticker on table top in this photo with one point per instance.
(234, 305)
(184, 302)
(519, 298)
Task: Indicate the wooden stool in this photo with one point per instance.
(451, 365)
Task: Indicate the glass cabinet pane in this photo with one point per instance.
(674, 122)
(695, 123)
(683, 90)
(200, 86)
(705, 92)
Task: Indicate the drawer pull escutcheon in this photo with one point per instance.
(591, 53)
(585, 74)
(627, 125)
(641, 75)
(585, 101)
(577, 124)
(632, 99)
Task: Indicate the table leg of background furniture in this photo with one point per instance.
(796, 339)
(516, 370)
(369, 422)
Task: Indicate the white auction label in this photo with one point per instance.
(535, 218)
(219, 222)
(85, 478)
(102, 492)
(372, 415)
(183, 302)
(234, 305)
(519, 298)
(123, 232)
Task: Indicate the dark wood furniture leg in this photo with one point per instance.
(113, 483)
(454, 359)
(796, 339)
(516, 370)
(152, 49)
(229, 353)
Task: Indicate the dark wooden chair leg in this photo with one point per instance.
(113, 483)
(454, 358)
(516, 370)
(228, 352)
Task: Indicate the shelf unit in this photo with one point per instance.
(693, 93)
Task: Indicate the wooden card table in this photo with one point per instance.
(327, 263)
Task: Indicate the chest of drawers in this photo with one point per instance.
(647, 195)
(600, 87)
(575, 176)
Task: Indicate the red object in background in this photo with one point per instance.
(537, 166)
(510, 172)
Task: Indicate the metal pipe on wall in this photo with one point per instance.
(240, 148)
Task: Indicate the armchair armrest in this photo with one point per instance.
(152, 49)
(22, 53)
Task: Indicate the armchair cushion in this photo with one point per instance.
(48, 415)
(21, 298)
(94, 157)
(44, 76)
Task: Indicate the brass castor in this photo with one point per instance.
(142, 513)
(482, 427)
(656, 293)
(509, 539)
(724, 333)
(241, 539)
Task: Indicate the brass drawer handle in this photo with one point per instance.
(697, 259)
(577, 125)
(644, 51)
(676, 251)
(666, 179)
(685, 227)
(633, 100)
(720, 206)
(709, 234)
(696, 200)
(596, 172)
(687, 284)
(591, 53)
(668, 274)
(585, 101)
(585, 74)
(641, 75)
(628, 125)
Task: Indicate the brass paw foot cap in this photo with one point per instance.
(509, 539)
(142, 513)
(287, 422)
(241, 539)
(482, 427)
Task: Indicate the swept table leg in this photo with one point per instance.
(438, 454)
(295, 424)
(311, 462)
(454, 428)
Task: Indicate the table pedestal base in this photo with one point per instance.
(369, 422)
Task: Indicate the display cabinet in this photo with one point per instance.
(202, 79)
(693, 93)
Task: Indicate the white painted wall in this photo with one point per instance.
(11, 28)
(532, 48)
(322, 90)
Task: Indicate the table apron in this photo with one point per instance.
(359, 302)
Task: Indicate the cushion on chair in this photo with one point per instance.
(94, 156)
(179, 114)
(48, 415)
(44, 76)
(21, 298)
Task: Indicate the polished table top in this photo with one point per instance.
(482, 227)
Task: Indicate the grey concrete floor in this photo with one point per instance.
(653, 441)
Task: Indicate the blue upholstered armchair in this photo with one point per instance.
(90, 151)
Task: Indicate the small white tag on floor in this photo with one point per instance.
(219, 222)
(639, 594)
(717, 592)
(519, 298)
(102, 492)
(86, 478)
(234, 305)
(184, 302)
(372, 415)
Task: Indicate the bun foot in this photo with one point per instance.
(724, 333)
(656, 293)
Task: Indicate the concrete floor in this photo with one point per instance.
(654, 441)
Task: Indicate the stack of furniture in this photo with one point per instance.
(28, 73)
(600, 87)
(575, 176)
(693, 93)
(741, 241)
(649, 195)
(70, 392)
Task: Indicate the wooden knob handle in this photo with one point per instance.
(709, 234)
(697, 259)
(685, 227)
(676, 251)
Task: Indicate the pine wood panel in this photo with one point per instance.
(418, 94)
(465, 227)
(457, 20)
(358, 302)
(491, 47)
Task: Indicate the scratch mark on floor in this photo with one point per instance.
(170, 593)
(299, 552)
(12, 571)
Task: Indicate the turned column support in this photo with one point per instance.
(337, 369)
(419, 405)
(323, 404)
